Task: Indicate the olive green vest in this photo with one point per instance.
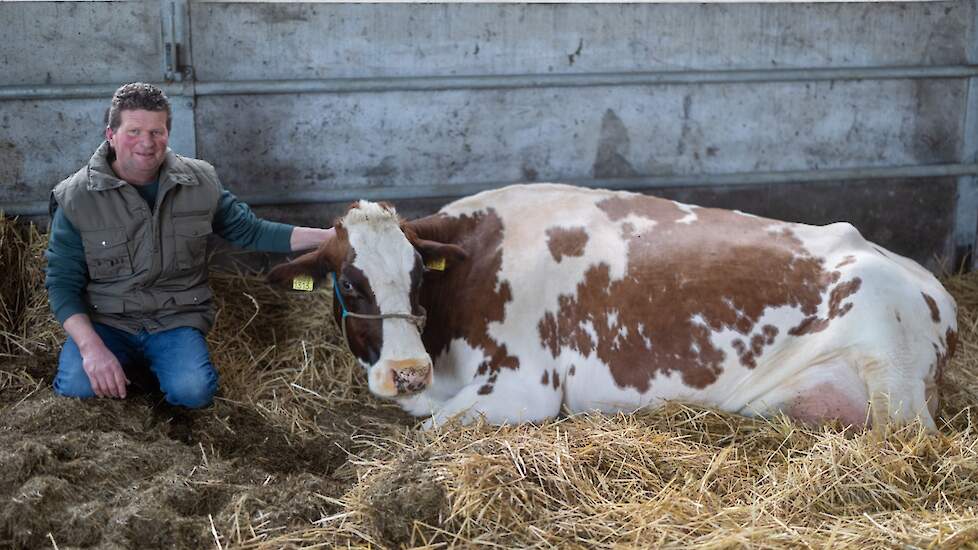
(147, 268)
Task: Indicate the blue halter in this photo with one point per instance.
(336, 291)
(418, 320)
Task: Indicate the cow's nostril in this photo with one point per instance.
(413, 378)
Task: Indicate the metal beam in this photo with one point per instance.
(406, 192)
(178, 72)
(80, 91)
(966, 211)
(437, 83)
(966, 204)
(175, 30)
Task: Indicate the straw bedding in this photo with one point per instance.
(296, 453)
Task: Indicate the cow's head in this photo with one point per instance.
(376, 264)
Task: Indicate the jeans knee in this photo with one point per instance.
(193, 392)
(71, 380)
(68, 386)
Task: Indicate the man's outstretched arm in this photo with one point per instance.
(236, 223)
(307, 238)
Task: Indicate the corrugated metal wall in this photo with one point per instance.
(809, 112)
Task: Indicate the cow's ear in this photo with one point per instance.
(428, 235)
(440, 256)
(315, 264)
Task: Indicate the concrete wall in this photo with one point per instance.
(322, 102)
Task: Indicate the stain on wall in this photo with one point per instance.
(12, 169)
(935, 121)
(613, 148)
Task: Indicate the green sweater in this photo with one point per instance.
(67, 272)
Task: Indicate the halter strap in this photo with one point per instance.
(418, 320)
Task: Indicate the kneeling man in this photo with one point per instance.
(127, 262)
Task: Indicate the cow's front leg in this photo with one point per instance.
(509, 400)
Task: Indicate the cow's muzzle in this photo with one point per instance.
(403, 377)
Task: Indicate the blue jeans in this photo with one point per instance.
(177, 357)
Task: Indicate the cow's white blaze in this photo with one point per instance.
(386, 258)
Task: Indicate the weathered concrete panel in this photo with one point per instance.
(42, 143)
(270, 144)
(291, 41)
(286, 143)
(79, 42)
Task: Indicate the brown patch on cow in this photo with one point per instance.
(573, 370)
(850, 259)
(486, 388)
(480, 235)
(545, 380)
(556, 379)
(566, 242)
(935, 313)
(809, 325)
(840, 293)
(548, 328)
(757, 344)
(748, 356)
(696, 279)
(365, 336)
(813, 323)
(950, 344)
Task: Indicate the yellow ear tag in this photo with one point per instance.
(302, 282)
(436, 265)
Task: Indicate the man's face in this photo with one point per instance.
(140, 145)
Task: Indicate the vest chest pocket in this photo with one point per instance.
(190, 242)
(107, 253)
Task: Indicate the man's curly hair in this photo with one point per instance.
(137, 96)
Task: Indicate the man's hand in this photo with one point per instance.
(104, 371)
(99, 363)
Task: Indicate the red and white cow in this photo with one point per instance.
(554, 296)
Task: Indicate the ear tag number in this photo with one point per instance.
(302, 282)
(436, 264)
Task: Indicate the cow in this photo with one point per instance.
(520, 303)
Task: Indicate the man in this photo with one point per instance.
(127, 270)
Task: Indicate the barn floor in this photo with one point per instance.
(296, 453)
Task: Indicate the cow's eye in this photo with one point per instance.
(347, 286)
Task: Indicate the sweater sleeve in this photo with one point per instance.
(66, 274)
(236, 223)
